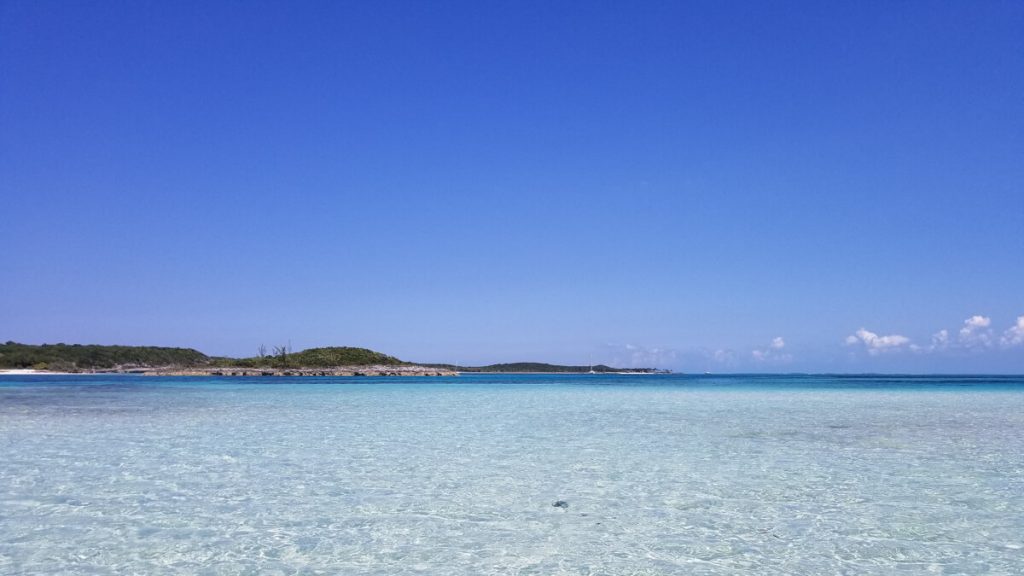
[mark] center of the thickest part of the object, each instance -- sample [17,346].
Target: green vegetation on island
[329,357]
[78,357]
[75,357]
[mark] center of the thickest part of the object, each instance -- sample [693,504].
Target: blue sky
[721,186]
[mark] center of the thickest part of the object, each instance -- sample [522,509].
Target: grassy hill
[329,357]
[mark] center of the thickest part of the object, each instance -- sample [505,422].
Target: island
[276,361]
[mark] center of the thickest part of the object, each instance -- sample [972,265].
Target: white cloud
[876,344]
[975,336]
[772,352]
[1014,336]
[635,356]
[723,356]
[940,341]
[976,333]
[977,321]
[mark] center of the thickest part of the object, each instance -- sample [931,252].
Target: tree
[282,355]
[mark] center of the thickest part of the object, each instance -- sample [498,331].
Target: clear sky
[722,186]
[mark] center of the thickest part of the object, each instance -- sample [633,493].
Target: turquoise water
[662,475]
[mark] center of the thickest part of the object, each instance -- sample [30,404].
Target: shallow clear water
[662,474]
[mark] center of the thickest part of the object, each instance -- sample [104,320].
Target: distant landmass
[279,360]
[540,367]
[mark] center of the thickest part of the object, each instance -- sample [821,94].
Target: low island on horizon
[278,361]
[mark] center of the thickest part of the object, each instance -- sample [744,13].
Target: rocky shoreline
[339,371]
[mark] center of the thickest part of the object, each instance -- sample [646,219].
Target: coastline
[33,372]
[374,370]
[567,373]
[250,372]
[339,371]
[32,359]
